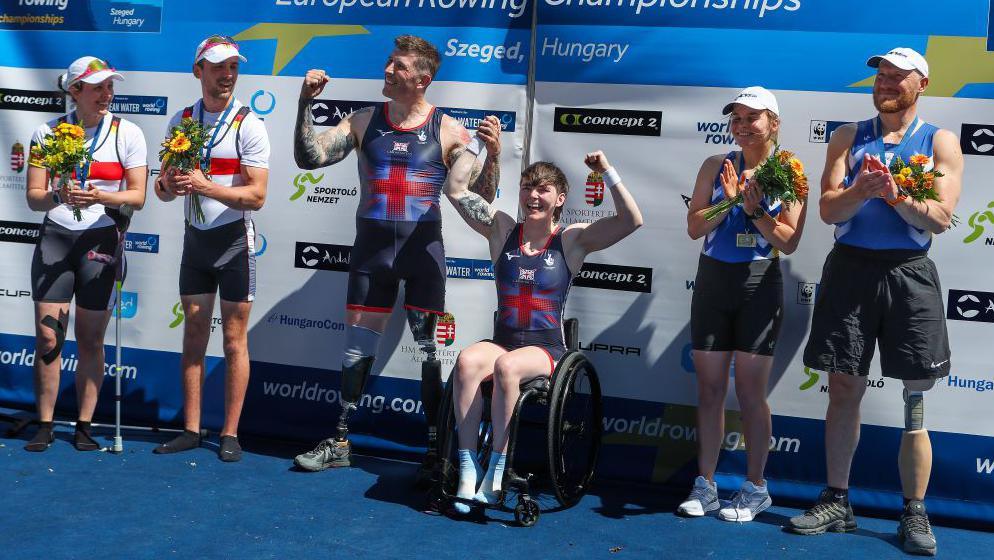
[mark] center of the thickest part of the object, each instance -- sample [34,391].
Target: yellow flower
[180,143]
[906,171]
[69,130]
[796,165]
[919,159]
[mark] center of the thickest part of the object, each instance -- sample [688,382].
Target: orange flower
[796,165]
[784,156]
[928,179]
[919,159]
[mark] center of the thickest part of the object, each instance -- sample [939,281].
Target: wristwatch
[757,214]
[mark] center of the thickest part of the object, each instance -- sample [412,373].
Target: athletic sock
[469,472]
[230,451]
[184,442]
[82,440]
[43,438]
[491,485]
[839,495]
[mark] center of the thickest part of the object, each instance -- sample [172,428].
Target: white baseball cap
[217,48]
[90,70]
[755,97]
[902,57]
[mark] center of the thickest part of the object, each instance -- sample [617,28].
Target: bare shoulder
[453,132]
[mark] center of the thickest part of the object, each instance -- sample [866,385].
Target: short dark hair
[426,57]
[546,172]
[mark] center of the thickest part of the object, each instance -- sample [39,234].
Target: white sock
[491,485]
[469,472]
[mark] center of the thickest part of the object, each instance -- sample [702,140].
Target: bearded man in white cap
[879,286]
[219,242]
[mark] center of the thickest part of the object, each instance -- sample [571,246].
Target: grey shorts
[219,260]
[869,297]
[71,263]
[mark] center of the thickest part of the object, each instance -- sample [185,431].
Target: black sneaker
[43,438]
[828,514]
[915,532]
[230,451]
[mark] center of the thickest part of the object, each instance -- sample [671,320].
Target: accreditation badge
[745,240]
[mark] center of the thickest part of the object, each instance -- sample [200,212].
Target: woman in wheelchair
[534,264]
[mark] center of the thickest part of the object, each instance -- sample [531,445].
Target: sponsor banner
[139,105]
[310,184]
[19,232]
[122,16]
[821,131]
[761,15]
[129,305]
[17,157]
[979,231]
[32,100]
[970,306]
[607,121]
[977,139]
[470,269]
[614,277]
[322,256]
[141,242]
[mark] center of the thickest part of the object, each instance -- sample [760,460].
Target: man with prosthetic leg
[404,149]
[879,287]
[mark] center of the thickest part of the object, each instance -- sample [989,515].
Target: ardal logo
[977,139]
[970,306]
[976,222]
[330,112]
[17,157]
[320,194]
[400,147]
[322,256]
[594,194]
[445,330]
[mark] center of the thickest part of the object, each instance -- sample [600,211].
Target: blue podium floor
[67,504]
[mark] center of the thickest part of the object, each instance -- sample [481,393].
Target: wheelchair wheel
[575,426]
[526,513]
[448,443]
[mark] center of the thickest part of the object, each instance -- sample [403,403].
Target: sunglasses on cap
[215,40]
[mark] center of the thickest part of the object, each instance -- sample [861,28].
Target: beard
[895,105]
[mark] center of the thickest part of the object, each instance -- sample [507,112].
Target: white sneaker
[703,498]
[747,503]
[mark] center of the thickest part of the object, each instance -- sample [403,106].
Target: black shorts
[736,306]
[384,253]
[868,297]
[220,259]
[62,267]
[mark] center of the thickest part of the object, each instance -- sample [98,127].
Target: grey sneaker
[747,503]
[330,453]
[703,498]
[826,515]
[915,532]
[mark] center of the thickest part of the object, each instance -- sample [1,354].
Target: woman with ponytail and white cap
[738,300]
[74,258]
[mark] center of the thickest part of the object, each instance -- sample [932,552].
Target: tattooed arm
[474,209]
[311,149]
[484,178]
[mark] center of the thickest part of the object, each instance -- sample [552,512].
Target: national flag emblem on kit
[526,275]
[595,189]
[17,157]
[400,147]
[445,331]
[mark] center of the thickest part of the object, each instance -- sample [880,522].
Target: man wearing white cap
[879,285]
[219,249]
[74,257]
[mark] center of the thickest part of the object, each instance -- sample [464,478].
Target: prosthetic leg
[422,326]
[915,465]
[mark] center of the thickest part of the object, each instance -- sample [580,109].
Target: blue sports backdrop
[548,70]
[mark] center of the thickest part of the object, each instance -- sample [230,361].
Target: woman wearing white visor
[74,257]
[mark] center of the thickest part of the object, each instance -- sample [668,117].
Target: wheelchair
[573,427]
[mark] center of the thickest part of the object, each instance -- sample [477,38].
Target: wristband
[475,146]
[611,177]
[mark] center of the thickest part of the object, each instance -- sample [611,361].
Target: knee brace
[60,336]
[423,325]
[914,410]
